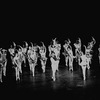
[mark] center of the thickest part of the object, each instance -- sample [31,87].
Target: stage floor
[68,84]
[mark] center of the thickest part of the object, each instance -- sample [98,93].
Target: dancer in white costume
[17,66]
[32,57]
[88,51]
[17,58]
[83,64]
[65,53]
[54,53]
[4,59]
[17,63]
[24,51]
[12,49]
[1,66]
[13,58]
[68,53]
[99,53]
[23,54]
[78,50]
[85,59]
[3,62]
[43,58]
[21,57]
[89,56]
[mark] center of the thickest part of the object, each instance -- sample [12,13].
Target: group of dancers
[19,54]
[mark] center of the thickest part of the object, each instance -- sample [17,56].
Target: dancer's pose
[88,51]
[68,53]
[43,58]
[17,58]
[24,51]
[78,50]
[17,66]
[99,53]
[54,53]
[3,62]
[32,57]
[83,64]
